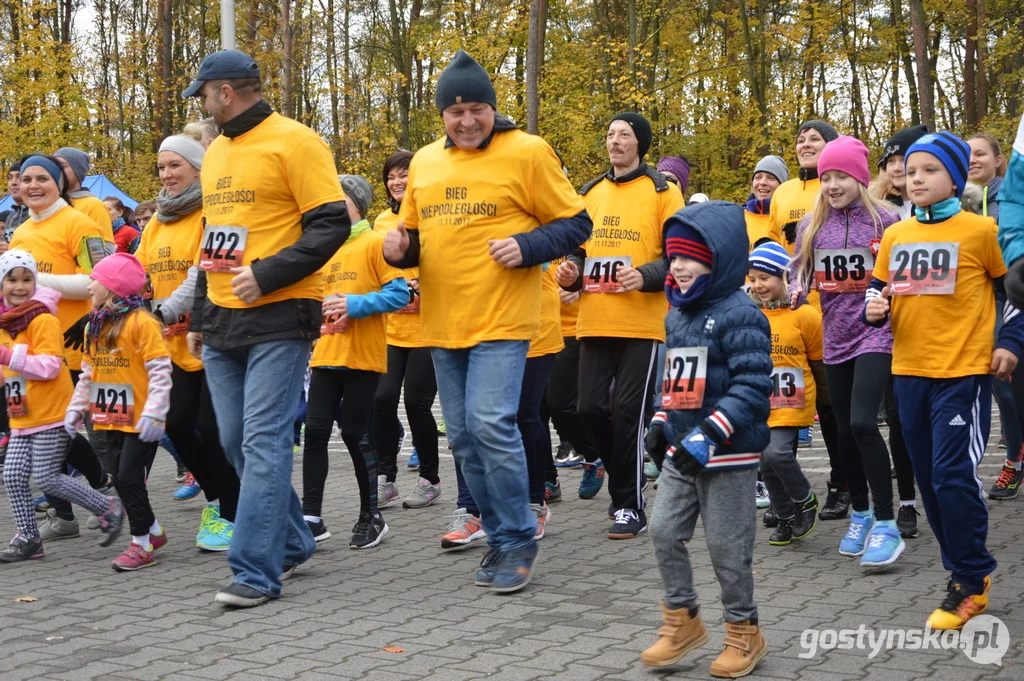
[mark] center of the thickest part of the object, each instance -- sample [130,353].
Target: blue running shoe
[804,439]
[516,566]
[414,459]
[42,505]
[189,490]
[855,541]
[885,545]
[593,479]
[552,492]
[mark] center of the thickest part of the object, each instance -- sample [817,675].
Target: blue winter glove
[150,430]
[692,452]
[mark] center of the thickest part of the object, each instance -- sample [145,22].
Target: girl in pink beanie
[835,253]
[125,386]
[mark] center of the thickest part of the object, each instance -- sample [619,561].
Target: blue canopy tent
[100,185]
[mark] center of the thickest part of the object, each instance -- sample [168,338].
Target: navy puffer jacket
[738,341]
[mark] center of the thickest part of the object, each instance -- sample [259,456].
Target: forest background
[722,81]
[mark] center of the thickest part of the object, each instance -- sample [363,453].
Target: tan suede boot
[744,648]
[679,635]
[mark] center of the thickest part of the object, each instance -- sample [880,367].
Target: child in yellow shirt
[941,269]
[37,386]
[125,386]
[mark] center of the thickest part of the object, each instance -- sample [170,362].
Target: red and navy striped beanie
[685,241]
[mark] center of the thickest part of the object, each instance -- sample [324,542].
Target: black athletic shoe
[783,534]
[906,521]
[806,517]
[368,531]
[837,504]
[240,596]
[629,524]
[21,549]
[1007,485]
[769,518]
[319,530]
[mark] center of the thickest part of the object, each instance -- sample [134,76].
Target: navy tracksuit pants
[946,423]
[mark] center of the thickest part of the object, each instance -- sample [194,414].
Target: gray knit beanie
[359,190]
[774,165]
[77,159]
[464,81]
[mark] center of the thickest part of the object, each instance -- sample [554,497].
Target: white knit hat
[187,147]
[14,259]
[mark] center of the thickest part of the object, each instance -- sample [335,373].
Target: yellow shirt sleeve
[559,199]
[671,201]
[149,337]
[312,176]
[384,272]
[407,213]
[140,252]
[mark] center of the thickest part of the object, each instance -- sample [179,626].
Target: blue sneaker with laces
[189,490]
[855,541]
[414,459]
[885,545]
[515,568]
[593,479]
[804,438]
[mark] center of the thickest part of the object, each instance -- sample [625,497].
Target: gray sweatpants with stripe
[724,499]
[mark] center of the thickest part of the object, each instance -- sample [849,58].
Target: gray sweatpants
[725,501]
[782,474]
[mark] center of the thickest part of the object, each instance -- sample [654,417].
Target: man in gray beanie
[774,165]
[493,205]
[359,191]
[75,164]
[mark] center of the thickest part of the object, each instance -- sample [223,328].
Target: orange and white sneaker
[464,529]
[959,607]
[543,515]
[135,557]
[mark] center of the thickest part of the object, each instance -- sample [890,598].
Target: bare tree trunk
[970,83]
[925,87]
[982,69]
[287,95]
[332,78]
[534,63]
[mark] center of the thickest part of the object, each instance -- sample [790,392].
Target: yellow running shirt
[67,242]
[167,251]
[459,201]
[120,382]
[791,201]
[357,268]
[255,189]
[628,219]
[97,210]
[796,339]
[30,403]
[759,226]
[948,335]
[404,329]
[569,313]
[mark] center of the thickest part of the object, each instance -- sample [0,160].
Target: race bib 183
[14,389]
[223,248]
[923,268]
[112,404]
[787,388]
[686,371]
[600,275]
[843,270]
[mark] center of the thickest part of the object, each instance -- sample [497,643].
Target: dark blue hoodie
[737,336]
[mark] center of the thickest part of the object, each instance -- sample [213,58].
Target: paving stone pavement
[589,612]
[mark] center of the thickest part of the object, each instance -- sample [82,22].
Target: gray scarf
[174,208]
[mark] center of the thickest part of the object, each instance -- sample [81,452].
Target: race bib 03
[14,390]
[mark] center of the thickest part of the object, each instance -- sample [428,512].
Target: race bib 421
[112,404]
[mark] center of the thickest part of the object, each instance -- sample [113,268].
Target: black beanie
[898,144]
[464,81]
[15,167]
[641,128]
[827,132]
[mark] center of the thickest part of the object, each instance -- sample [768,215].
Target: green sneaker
[211,514]
[441,430]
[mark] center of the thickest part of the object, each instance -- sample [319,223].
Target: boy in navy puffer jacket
[714,415]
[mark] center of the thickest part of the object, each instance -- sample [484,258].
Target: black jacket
[324,229]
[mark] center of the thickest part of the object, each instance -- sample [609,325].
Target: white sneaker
[762,496]
[386,491]
[423,495]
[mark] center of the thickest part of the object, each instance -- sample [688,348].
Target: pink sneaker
[134,558]
[158,540]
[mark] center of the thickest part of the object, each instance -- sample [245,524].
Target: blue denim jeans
[254,390]
[479,389]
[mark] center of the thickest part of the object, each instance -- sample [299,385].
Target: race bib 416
[600,275]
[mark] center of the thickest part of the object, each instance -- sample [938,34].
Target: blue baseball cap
[222,66]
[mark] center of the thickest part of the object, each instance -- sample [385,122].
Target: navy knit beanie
[952,152]
[464,81]
[898,144]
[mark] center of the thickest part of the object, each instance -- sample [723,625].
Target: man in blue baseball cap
[275,213]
